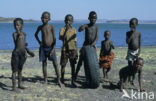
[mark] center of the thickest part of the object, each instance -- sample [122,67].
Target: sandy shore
[37,91]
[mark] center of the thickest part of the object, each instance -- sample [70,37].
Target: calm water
[118,34]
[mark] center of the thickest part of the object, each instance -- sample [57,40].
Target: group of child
[69,49]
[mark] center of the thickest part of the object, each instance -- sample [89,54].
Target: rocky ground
[38,91]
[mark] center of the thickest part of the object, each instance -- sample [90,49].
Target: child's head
[92,17]
[133,23]
[68,19]
[45,17]
[18,24]
[107,34]
[139,63]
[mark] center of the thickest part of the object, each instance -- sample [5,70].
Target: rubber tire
[91,66]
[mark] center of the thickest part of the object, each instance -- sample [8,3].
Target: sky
[106,9]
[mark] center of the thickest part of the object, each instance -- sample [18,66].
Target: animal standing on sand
[125,72]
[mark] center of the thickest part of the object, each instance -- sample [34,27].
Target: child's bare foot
[60,84]
[132,83]
[22,87]
[73,84]
[62,80]
[142,90]
[15,90]
[45,81]
[106,80]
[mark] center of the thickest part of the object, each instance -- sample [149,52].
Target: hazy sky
[106,9]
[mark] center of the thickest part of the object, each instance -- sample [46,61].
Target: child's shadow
[39,79]
[81,80]
[111,86]
[4,86]
[33,79]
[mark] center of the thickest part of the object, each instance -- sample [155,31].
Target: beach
[38,91]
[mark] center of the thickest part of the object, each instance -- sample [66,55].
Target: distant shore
[118,21]
[58,49]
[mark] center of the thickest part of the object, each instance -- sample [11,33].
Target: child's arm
[82,27]
[111,43]
[54,40]
[96,37]
[128,38]
[36,35]
[101,49]
[61,34]
[26,44]
[139,43]
[14,35]
[139,79]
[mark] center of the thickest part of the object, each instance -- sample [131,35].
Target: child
[106,56]
[47,45]
[125,72]
[69,48]
[91,36]
[19,53]
[133,39]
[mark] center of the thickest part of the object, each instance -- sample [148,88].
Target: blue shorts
[44,53]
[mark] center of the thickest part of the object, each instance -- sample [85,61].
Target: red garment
[106,60]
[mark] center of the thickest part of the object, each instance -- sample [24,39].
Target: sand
[38,91]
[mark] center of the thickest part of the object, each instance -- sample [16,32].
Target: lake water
[118,34]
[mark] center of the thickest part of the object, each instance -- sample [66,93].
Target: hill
[10,20]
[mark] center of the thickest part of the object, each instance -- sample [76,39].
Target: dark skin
[133,39]
[106,47]
[48,40]
[68,21]
[91,31]
[19,38]
[125,73]
[91,36]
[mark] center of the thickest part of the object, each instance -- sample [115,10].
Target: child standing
[47,45]
[133,39]
[91,36]
[69,48]
[106,55]
[19,53]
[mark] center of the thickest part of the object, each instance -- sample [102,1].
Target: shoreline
[58,49]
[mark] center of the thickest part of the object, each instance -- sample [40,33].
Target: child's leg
[44,69]
[104,73]
[62,73]
[13,81]
[57,73]
[130,65]
[122,84]
[79,65]
[108,69]
[133,77]
[72,64]
[14,66]
[20,80]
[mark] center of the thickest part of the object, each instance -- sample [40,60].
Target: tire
[91,66]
